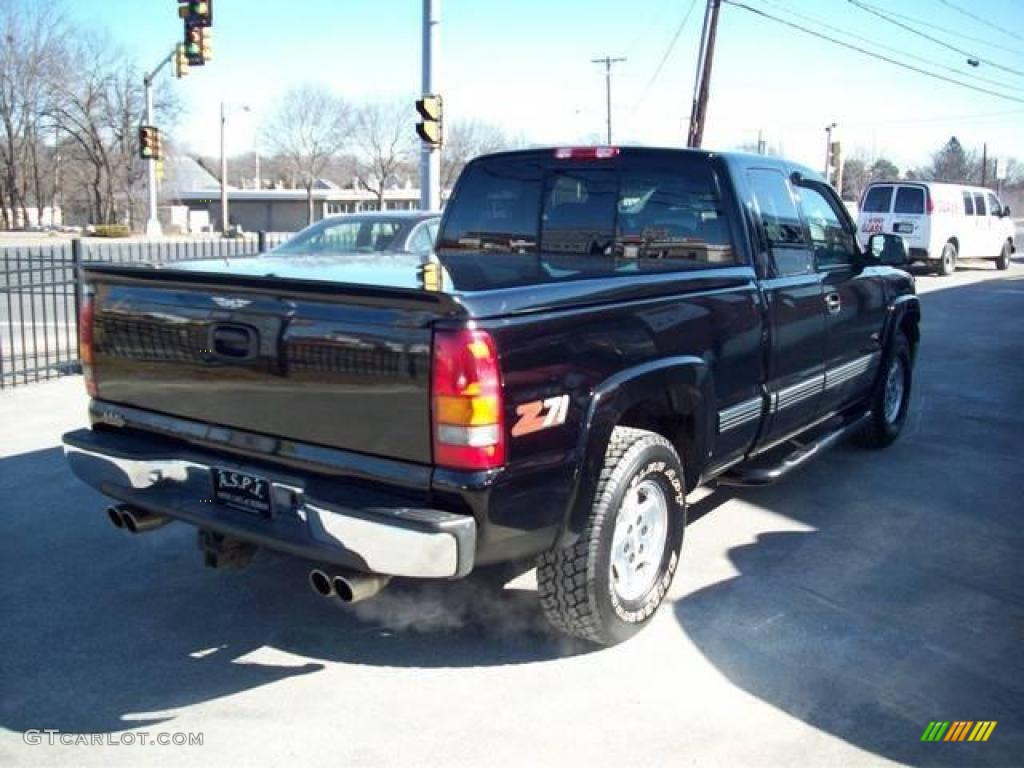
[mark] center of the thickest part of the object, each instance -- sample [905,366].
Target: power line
[906,55]
[956,33]
[979,19]
[872,54]
[885,17]
[668,53]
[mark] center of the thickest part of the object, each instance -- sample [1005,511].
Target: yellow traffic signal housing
[180,61]
[431,129]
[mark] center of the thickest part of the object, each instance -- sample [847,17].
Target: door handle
[834,303]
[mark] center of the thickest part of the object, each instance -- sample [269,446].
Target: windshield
[349,235]
[523,219]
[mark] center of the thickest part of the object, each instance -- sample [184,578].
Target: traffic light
[150,145]
[160,169]
[180,61]
[431,129]
[198,18]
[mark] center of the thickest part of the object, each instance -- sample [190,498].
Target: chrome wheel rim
[894,386]
[638,543]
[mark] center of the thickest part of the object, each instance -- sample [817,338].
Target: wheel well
[678,428]
[909,326]
[955,242]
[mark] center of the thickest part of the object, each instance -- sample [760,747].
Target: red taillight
[586,153]
[85,353]
[929,203]
[468,422]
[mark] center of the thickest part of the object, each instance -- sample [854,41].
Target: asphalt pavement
[823,621]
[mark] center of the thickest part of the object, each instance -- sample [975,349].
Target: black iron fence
[39,289]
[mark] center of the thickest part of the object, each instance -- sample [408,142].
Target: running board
[766,475]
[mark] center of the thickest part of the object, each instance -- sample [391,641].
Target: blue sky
[525,65]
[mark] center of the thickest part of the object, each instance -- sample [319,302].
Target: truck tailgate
[340,366]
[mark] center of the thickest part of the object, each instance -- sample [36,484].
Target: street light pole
[223,175]
[153,228]
[608,61]
[828,148]
[430,155]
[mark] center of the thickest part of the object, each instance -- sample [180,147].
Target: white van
[940,223]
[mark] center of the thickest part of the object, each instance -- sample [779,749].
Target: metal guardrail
[39,289]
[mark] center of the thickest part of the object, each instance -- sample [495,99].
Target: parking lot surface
[823,621]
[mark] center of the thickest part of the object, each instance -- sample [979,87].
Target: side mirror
[890,250]
[1006,212]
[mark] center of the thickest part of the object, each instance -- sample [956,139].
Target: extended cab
[599,331]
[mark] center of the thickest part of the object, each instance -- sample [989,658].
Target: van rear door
[875,212]
[910,215]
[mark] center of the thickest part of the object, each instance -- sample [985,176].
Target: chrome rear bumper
[311,519]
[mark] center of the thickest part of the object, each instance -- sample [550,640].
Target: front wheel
[1003,261]
[607,586]
[890,401]
[947,262]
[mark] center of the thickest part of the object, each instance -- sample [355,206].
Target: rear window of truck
[878,200]
[909,200]
[519,220]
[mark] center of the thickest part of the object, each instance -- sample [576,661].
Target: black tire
[575,583]
[1003,260]
[884,425]
[947,262]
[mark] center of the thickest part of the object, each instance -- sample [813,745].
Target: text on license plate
[241,490]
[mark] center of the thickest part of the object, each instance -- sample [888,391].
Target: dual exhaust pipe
[135,520]
[347,586]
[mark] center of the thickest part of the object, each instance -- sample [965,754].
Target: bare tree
[383,142]
[464,141]
[307,129]
[31,46]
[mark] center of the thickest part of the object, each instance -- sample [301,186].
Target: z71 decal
[540,414]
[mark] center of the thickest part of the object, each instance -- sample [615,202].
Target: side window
[968,204]
[420,242]
[877,200]
[781,222]
[979,204]
[833,244]
[995,208]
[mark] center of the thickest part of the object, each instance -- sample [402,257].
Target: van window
[530,218]
[909,200]
[878,199]
[968,204]
[979,204]
[781,222]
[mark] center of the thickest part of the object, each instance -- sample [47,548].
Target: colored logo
[958,730]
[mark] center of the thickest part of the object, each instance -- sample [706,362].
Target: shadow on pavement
[104,631]
[903,601]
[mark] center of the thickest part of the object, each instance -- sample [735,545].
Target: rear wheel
[607,586]
[1003,261]
[890,401]
[947,262]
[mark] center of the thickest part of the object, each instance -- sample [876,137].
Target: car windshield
[350,234]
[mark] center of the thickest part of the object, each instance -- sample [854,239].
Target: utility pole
[828,148]
[608,61]
[984,163]
[430,155]
[702,87]
[153,222]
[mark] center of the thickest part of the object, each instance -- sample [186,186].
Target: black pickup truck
[599,331]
